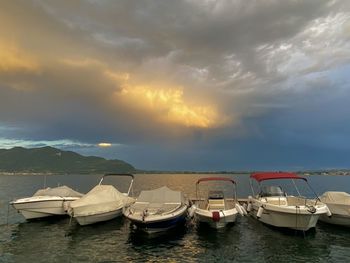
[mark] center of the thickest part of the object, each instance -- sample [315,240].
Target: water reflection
[97,242]
[38,240]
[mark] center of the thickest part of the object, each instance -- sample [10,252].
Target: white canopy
[337,202]
[101,199]
[62,191]
[336,197]
[161,195]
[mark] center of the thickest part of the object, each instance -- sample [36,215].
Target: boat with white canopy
[46,202]
[275,207]
[339,205]
[216,210]
[102,203]
[158,210]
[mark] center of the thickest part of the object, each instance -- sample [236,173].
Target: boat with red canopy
[273,206]
[217,210]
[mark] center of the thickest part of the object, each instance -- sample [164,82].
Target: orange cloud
[85,62]
[13,59]
[170,106]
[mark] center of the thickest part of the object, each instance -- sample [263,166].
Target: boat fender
[216,216]
[260,211]
[239,209]
[329,214]
[249,207]
[191,211]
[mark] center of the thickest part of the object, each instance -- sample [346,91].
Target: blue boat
[158,210]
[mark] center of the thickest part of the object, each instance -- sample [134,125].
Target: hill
[52,160]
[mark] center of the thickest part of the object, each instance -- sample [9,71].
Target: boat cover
[158,201]
[337,202]
[101,199]
[336,197]
[161,195]
[63,191]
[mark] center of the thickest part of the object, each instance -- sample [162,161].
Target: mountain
[52,160]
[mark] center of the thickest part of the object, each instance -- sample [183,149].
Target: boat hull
[158,223]
[225,217]
[340,214]
[100,217]
[341,220]
[292,217]
[40,208]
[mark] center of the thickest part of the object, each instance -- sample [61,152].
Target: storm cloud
[179,84]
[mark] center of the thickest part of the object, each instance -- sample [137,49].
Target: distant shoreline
[308,173]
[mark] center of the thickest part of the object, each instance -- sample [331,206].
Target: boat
[102,203]
[275,207]
[216,210]
[339,205]
[46,202]
[158,210]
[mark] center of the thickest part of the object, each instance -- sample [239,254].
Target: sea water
[62,240]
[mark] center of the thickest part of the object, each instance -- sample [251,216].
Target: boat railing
[301,201]
[275,200]
[120,174]
[213,179]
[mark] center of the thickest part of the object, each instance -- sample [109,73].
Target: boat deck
[241,201]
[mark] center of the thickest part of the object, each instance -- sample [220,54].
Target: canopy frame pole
[130,189]
[251,186]
[296,188]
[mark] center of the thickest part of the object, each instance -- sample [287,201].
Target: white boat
[339,205]
[158,210]
[46,202]
[216,210]
[274,207]
[102,203]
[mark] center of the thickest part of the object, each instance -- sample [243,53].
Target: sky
[179,85]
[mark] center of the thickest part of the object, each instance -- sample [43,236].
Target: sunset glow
[14,59]
[171,107]
[104,144]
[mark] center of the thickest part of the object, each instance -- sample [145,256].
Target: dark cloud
[239,70]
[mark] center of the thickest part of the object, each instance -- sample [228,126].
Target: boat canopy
[337,202]
[275,175]
[161,195]
[336,197]
[100,199]
[215,179]
[62,191]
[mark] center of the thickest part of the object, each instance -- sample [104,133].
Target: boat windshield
[216,195]
[271,191]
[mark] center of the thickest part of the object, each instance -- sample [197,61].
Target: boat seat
[216,204]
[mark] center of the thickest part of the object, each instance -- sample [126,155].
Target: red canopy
[215,179]
[275,175]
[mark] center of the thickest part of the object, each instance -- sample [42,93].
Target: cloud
[196,74]
[10,143]
[12,59]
